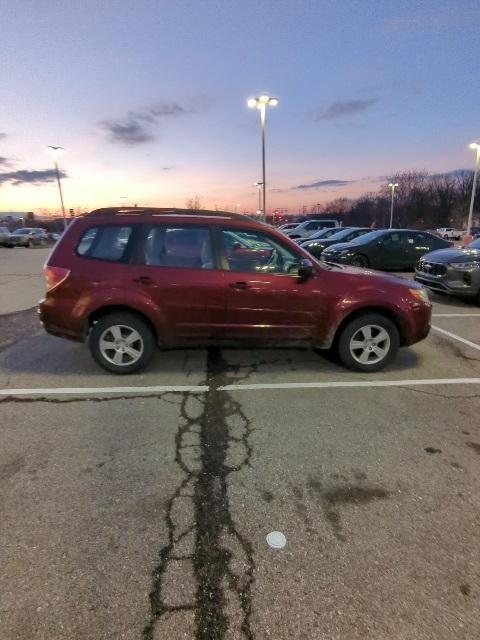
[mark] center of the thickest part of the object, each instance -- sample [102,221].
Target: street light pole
[261,104]
[474,146]
[260,191]
[55,152]
[392,186]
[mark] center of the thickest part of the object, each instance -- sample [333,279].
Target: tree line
[422,201]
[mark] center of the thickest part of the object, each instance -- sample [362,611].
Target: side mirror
[305,269]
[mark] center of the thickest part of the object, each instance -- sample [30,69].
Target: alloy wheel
[370,344]
[121,345]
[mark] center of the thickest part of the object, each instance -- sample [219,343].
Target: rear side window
[186,247]
[105,243]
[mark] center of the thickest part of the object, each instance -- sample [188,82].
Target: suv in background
[28,237]
[126,280]
[453,271]
[309,227]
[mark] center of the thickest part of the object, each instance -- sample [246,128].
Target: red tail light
[55,276]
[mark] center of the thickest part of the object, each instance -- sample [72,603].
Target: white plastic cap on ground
[276,540]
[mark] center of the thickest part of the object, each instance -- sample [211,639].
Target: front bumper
[453,282]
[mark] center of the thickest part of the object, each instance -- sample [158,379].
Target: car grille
[431,268]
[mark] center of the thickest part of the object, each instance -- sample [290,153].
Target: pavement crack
[439,394]
[47,399]
[201,530]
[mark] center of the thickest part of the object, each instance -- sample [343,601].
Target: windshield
[344,233]
[22,232]
[368,237]
[323,233]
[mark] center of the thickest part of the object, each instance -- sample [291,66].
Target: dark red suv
[126,280]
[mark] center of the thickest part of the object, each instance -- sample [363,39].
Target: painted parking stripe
[349,384]
[95,391]
[454,336]
[456,315]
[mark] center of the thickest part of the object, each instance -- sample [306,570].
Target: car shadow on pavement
[43,355]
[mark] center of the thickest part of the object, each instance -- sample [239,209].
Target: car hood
[339,246]
[373,278]
[452,255]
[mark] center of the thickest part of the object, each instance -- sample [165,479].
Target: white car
[309,227]
[288,226]
[449,233]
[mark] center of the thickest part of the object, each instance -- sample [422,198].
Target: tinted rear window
[105,243]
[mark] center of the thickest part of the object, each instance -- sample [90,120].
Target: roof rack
[107,212]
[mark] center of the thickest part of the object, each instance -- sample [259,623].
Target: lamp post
[392,186]
[475,146]
[261,103]
[259,185]
[55,152]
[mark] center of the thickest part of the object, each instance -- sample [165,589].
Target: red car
[127,280]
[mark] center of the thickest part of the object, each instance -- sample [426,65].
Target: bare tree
[194,204]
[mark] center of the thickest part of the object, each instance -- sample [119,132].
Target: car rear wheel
[122,342]
[360,261]
[368,343]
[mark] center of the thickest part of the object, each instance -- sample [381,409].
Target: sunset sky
[149,98]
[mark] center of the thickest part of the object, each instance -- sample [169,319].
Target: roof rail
[107,212]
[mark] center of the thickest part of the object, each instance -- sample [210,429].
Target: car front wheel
[368,343]
[122,342]
[360,261]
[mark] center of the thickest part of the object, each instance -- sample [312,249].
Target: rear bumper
[56,318]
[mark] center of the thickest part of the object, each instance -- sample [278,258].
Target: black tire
[353,328]
[128,321]
[29,245]
[360,261]
[477,299]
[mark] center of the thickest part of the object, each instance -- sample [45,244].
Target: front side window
[186,247]
[257,252]
[394,239]
[107,242]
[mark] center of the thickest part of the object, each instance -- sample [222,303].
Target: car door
[177,273]
[390,251]
[265,298]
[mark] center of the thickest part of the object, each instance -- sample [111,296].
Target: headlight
[420,294]
[344,252]
[465,266]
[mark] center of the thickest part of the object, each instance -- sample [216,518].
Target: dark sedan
[385,249]
[454,271]
[315,246]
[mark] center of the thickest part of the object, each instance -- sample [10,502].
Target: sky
[148,98]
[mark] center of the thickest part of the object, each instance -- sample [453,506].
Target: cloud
[136,127]
[4,161]
[343,108]
[321,184]
[26,176]
[455,173]
[2,135]
[168,168]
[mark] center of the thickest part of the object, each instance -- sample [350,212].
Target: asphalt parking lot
[138,506]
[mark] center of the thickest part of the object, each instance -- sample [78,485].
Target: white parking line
[456,315]
[348,384]
[82,391]
[146,391]
[469,343]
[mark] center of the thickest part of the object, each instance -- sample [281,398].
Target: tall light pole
[392,186]
[261,103]
[259,185]
[476,147]
[55,152]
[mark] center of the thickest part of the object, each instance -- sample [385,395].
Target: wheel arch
[362,311]
[100,312]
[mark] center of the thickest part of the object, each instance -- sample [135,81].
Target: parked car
[449,233]
[323,233]
[453,271]
[307,228]
[385,249]
[175,282]
[5,237]
[315,246]
[27,237]
[288,226]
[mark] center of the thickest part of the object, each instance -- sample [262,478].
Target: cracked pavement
[145,517]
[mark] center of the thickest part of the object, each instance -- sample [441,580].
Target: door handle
[144,280]
[239,285]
